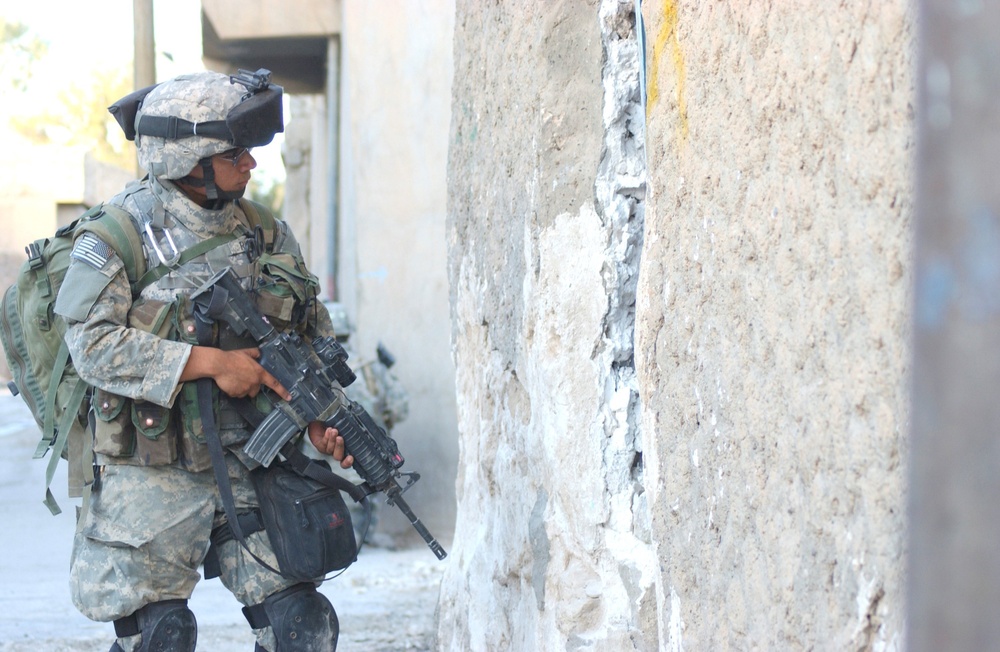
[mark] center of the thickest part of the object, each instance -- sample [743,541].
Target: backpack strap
[114,225]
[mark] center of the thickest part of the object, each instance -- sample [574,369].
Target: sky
[87,36]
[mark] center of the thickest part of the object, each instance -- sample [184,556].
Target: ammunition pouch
[286,290]
[146,434]
[143,433]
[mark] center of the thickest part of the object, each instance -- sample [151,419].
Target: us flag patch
[92,250]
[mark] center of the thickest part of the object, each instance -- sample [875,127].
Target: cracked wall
[681,389]
[546,185]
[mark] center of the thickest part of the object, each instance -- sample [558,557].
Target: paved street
[385,601]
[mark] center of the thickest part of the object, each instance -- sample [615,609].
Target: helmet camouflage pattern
[198,97]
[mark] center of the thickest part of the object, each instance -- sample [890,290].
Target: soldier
[382,395]
[149,521]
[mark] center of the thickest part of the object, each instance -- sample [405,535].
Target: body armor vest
[139,432]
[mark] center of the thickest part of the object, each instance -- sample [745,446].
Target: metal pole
[144,45]
[954,504]
[333,159]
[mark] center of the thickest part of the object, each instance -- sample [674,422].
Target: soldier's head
[198,129]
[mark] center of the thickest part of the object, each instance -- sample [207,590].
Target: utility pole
[954,503]
[144,45]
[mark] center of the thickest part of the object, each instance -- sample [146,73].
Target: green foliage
[19,50]
[80,117]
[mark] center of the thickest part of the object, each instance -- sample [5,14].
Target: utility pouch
[285,291]
[307,523]
[113,431]
[154,425]
[156,440]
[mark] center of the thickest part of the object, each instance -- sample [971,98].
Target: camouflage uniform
[147,527]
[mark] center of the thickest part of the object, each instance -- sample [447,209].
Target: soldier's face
[231,173]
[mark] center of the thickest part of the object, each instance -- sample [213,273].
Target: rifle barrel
[432,543]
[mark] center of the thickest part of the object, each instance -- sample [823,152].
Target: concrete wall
[731,476]
[772,345]
[396,71]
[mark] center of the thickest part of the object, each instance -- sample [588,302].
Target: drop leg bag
[305,517]
[306,521]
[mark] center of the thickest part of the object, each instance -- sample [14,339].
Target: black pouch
[307,523]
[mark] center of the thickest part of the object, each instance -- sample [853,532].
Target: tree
[80,117]
[19,50]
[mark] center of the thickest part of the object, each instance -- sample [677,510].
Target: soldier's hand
[237,373]
[329,442]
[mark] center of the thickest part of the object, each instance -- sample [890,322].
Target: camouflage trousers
[147,531]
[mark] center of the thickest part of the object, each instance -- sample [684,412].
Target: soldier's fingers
[336,444]
[272,382]
[347,462]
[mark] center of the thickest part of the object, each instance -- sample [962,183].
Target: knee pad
[303,620]
[166,625]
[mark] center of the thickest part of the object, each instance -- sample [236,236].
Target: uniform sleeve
[95,299]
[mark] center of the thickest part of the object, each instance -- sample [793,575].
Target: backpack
[32,334]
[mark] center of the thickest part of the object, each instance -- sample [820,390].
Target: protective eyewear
[234,155]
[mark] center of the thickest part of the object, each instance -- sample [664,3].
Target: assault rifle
[314,374]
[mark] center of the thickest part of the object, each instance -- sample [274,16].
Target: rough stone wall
[546,182]
[682,416]
[773,320]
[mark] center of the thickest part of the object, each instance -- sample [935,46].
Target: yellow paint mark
[667,36]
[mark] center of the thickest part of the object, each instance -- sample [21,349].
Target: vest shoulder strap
[260,215]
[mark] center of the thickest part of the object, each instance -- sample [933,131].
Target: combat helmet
[183,122]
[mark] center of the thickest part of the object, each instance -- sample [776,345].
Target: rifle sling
[153,275]
[206,406]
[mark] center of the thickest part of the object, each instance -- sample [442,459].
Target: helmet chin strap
[217,197]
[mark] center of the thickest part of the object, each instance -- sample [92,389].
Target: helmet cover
[191,117]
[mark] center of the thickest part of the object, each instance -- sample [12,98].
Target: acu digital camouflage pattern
[138,349]
[147,528]
[377,389]
[389,403]
[145,535]
[198,97]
